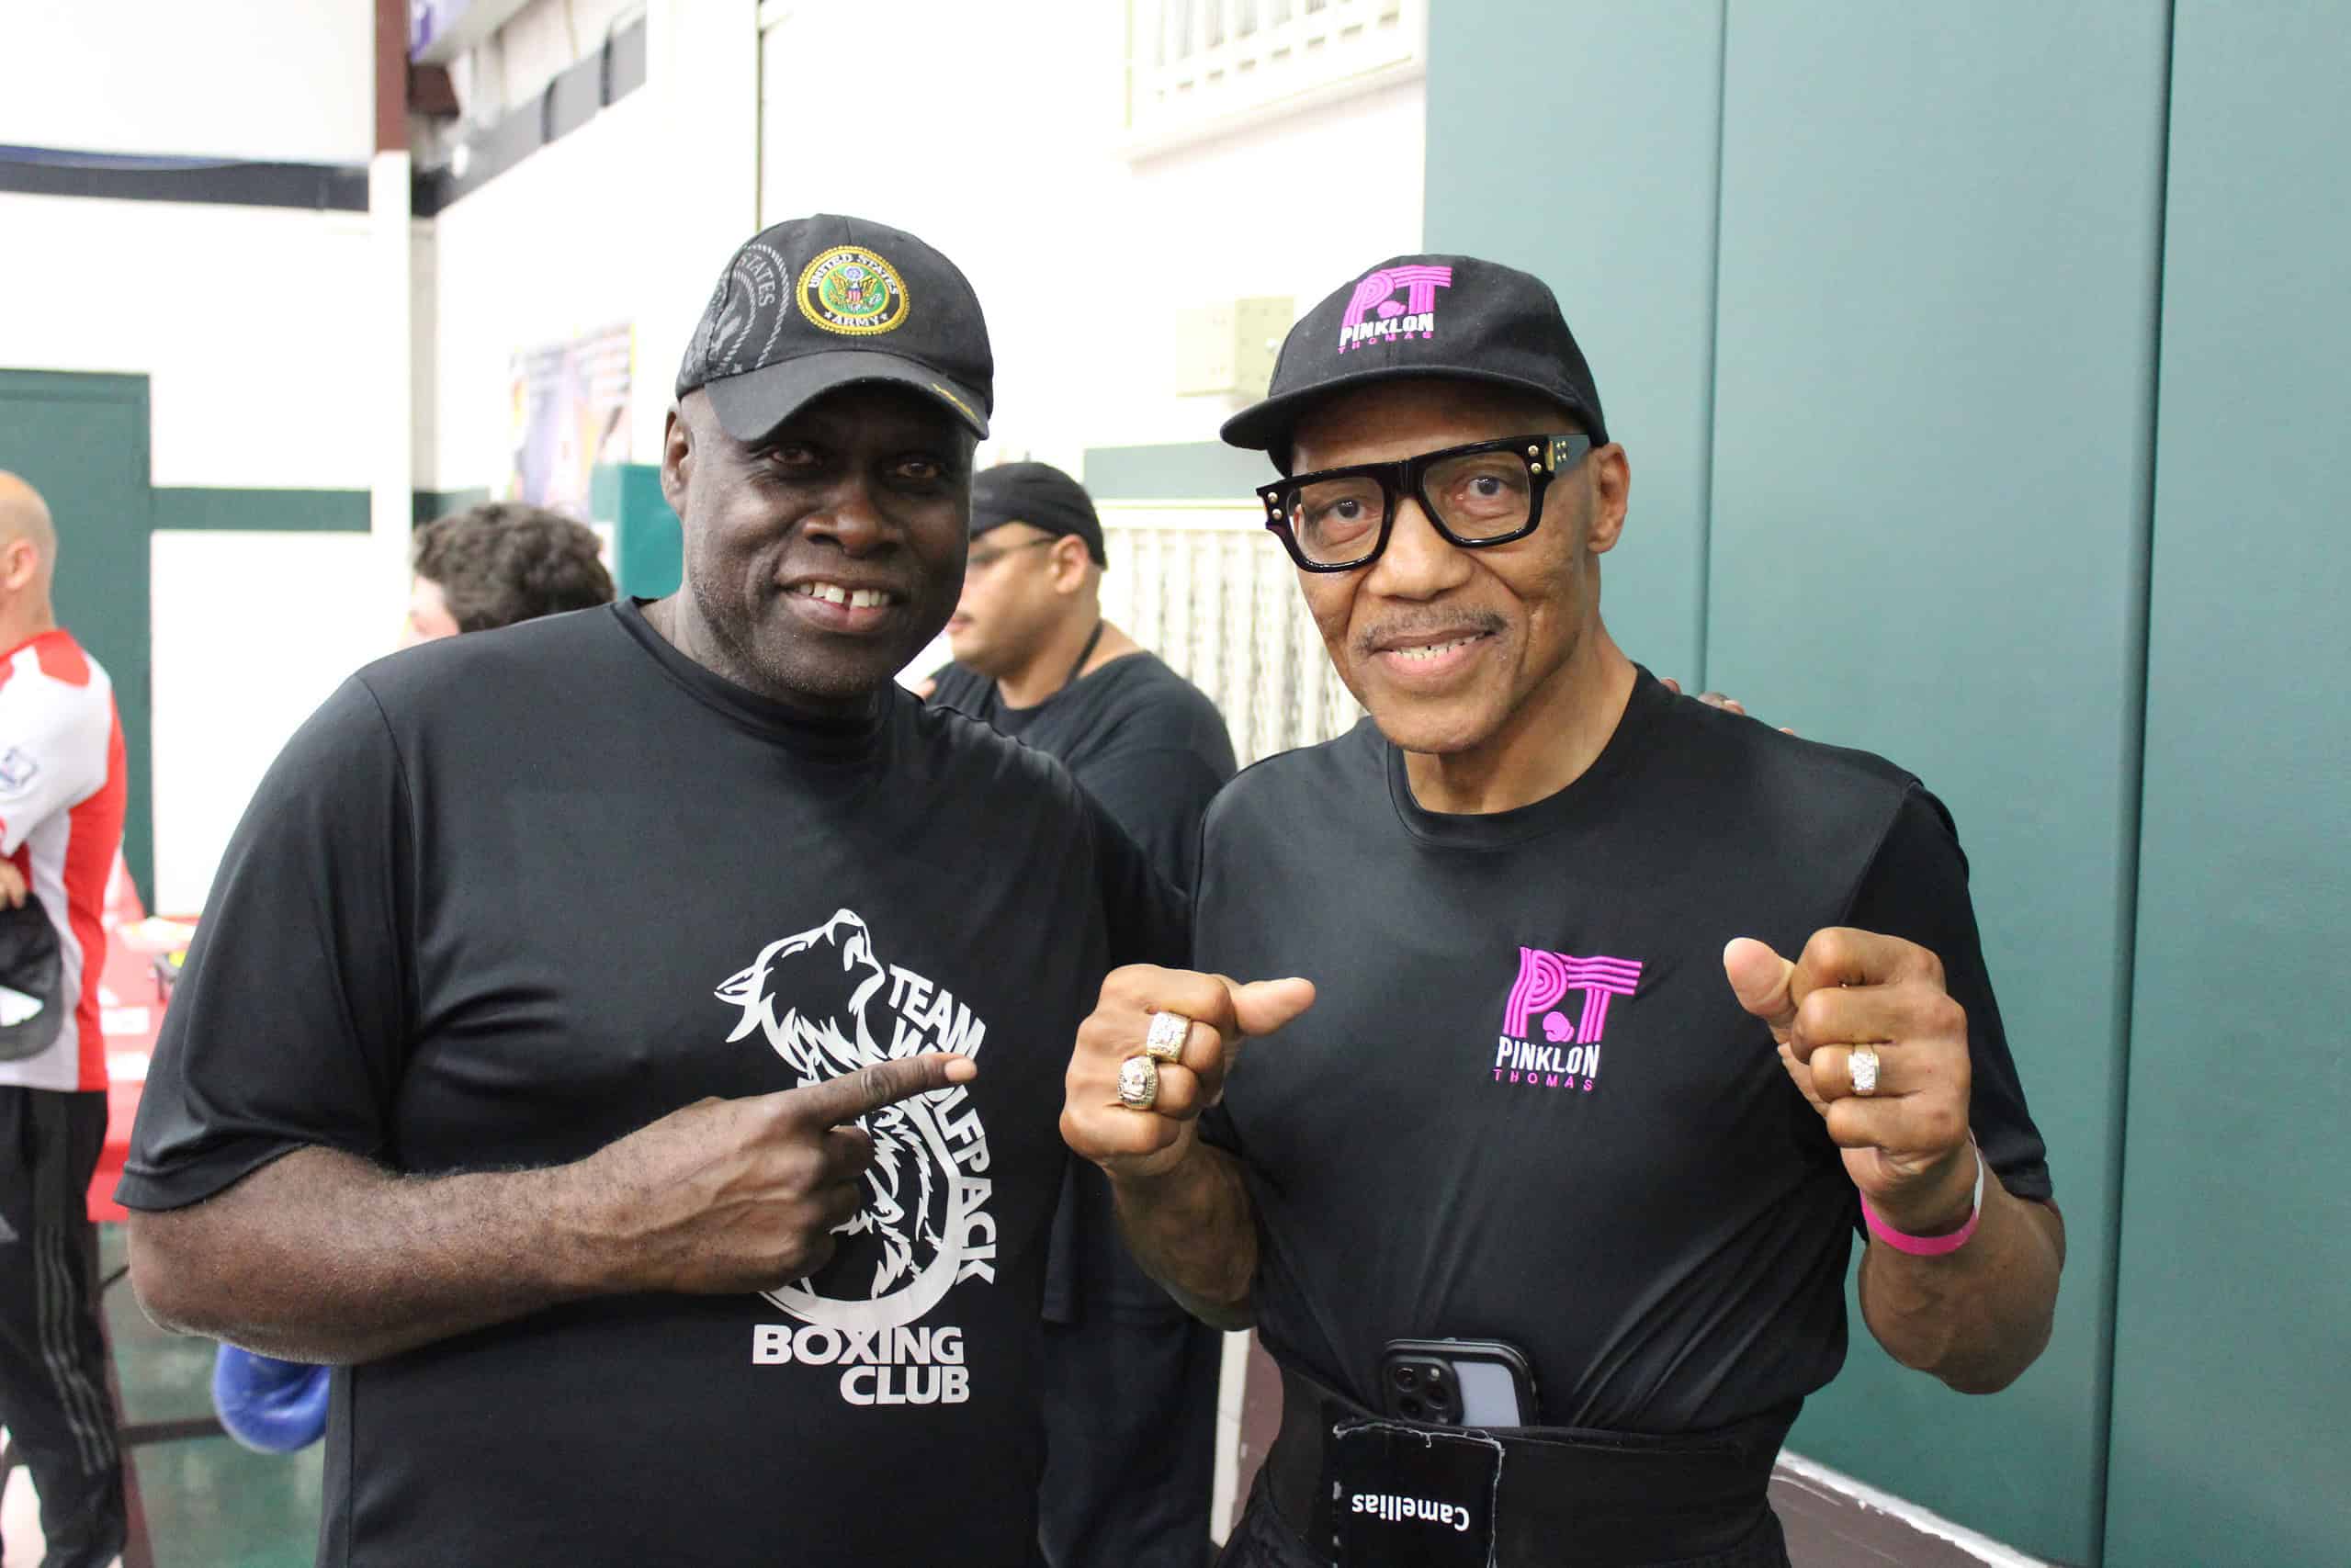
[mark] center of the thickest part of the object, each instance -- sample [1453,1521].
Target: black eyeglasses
[1489,492]
[980,560]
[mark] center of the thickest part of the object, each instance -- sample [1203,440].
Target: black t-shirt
[1142,739]
[508,898]
[1525,1105]
[1153,750]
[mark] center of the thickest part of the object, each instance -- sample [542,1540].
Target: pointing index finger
[843,1099]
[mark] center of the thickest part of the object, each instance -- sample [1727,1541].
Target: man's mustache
[1442,627]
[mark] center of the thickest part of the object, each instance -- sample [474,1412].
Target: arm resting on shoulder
[1194,1229]
[1978,1317]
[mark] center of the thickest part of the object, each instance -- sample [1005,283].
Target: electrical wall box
[1230,347]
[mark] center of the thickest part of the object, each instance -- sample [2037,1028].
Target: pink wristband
[1932,1245]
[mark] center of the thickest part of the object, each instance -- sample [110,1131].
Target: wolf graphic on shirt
[827,1004]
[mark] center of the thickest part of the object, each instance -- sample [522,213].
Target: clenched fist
[1127,1142]
[1904,1138]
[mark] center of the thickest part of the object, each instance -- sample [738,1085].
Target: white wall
[1014,167]
[559,245]
[235,312]
[236,315]
[1082,258]
[290,79]
[251,632]
[627,220]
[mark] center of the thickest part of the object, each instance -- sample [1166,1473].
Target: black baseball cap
[824,302]
[1039,495]
[1427,315]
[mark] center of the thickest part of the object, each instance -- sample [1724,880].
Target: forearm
[1192,1229]
[1978,1317]
[322,1257]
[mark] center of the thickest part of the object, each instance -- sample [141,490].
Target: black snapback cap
[1427,315]
[823,302]
[1041,496]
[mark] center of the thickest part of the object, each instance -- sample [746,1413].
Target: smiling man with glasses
[1543,1085]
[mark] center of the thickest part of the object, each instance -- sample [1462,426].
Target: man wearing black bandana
[1543,1075]
[622,1044]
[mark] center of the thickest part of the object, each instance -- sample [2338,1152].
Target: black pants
[1130,1436]
[54,1397]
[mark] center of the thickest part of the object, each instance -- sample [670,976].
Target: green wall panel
[1184,470]
[424,505]
[1933,428]
[2232,1342]
[263,510]
[81,440]
[1579,140]
[647,541]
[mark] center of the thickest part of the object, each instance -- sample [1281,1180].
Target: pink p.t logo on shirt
[1374,298]
[1559,1051]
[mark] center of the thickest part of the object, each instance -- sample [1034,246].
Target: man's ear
[1070,562]
[677,460]
[1612,482]
[19,563]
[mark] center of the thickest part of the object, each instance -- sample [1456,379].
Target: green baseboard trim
[432,503]
[1183,471]
[234,509]
[262,511]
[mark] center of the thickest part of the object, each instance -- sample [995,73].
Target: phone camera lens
[1411,1407]
[1407,1377]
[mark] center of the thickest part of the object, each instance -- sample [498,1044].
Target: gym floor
[198,1500]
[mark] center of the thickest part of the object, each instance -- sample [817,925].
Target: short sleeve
[52,754]
[289,1022]
[1916,889]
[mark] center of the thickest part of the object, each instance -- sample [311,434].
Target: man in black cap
[1524,1095]
[1036,658]
[1128,1478]
[621,1042]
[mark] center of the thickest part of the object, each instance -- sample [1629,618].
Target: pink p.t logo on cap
[1375,297]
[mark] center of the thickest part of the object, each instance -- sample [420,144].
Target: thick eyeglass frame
[1546,458]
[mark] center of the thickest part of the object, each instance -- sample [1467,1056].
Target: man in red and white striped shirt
[61,787]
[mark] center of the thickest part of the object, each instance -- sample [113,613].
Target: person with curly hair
[498,563]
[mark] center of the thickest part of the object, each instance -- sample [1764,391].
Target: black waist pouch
[1375,1492]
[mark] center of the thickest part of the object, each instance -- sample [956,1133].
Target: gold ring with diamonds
[1165,1041]
[1138,1083]
[1863,1064]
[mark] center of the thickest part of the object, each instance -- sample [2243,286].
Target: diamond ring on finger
[1138,1083]
[1167,1032]
[1863,1064]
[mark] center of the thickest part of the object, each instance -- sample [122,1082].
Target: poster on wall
[570,412]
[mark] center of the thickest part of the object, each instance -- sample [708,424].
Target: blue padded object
[269,1405]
